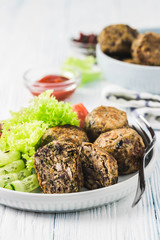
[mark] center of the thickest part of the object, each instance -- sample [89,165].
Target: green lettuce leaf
[22,132]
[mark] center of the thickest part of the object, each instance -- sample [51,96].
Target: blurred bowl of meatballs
[129,57]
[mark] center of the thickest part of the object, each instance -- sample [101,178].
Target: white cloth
[145,104]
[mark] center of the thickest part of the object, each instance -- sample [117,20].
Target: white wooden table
[38,32]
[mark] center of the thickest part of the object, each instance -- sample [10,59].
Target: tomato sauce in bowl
[53,79]
[63,85]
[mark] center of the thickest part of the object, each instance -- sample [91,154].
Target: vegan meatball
[125,145]
[99,167]
[129,60]
[58,167]
[103,119]
[146,49]
[66,133]
[117,39]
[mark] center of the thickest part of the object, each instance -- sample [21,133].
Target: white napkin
[145,104]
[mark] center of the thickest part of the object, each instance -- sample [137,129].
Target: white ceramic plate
[40,202]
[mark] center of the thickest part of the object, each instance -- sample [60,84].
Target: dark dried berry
[58,147]
[51,182]
[120,143]
[84,38]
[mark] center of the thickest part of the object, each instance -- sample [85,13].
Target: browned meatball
[66,133]
[129,60]
[126,145]
[99,167]
[146,49]
[58,167]
[103,119]
[117,39]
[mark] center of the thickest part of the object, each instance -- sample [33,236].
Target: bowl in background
[85,43]
[87,49]
[136,77]
[61,90]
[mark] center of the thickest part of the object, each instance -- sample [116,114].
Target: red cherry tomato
[81,112]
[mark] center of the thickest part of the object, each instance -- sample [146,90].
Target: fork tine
[141,180]
[141,132]
[149,144]
[151,131]
[148,126]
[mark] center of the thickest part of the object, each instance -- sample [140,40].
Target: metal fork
[149,144]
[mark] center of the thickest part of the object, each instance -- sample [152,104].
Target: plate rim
[27,195]
[64,202]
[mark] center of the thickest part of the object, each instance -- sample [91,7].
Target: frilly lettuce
[23,131]
[44,108]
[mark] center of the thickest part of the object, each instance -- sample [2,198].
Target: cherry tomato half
[81,112]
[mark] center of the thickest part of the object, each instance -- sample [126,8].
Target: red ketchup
[56,83]
[53,79]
